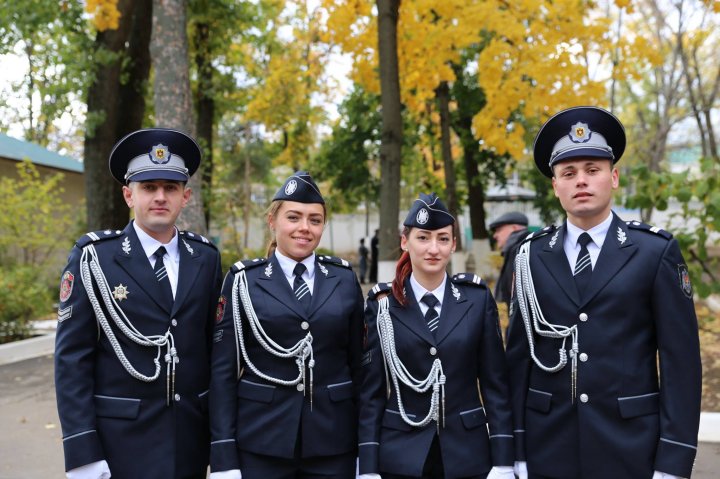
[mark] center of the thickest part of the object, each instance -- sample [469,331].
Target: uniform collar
[419,291]
[288,265]
[597,232]
[150,244]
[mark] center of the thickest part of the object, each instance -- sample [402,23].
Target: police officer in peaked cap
[135,319]
[508,230]
[286,364]
[433,344]
[596,301]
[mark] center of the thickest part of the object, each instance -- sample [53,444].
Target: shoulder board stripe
[93,236]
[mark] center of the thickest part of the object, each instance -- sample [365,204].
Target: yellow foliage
[105,14]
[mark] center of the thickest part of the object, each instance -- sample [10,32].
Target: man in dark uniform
[597,300]
[508,231]
[135,321]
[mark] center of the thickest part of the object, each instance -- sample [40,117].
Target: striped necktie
[583,265]
[161,273]
[431,315]
[300,287]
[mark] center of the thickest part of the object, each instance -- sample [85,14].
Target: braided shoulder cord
[301,351]
[89,270]
[531,313]
[400,374]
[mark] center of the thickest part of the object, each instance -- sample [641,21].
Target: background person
[362,260]
[508,231]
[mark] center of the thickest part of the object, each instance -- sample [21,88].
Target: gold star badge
[120,292]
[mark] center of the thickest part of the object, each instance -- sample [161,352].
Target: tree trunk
[442,94]
[476,189]
[105,205]
[206,111]
[391,139]
[173,106]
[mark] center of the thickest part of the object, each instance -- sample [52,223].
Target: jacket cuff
[502,447]
[519,445]
[224,455]
[82,448]
[675,457]
[368,453]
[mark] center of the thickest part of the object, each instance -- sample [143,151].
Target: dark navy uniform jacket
[259,416]
[469,344]
[105,412]
[631,415]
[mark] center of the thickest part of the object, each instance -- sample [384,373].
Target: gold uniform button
[304,325]
[433,351]
[583,317]
[300,387]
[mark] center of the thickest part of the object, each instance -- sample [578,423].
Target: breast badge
[120,292]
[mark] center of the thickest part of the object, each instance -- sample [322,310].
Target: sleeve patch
[220,309]
[64,313]
[66,286]
[218,335]
[684,277]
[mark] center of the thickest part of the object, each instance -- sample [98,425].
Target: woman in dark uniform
[287,353]
[435,339]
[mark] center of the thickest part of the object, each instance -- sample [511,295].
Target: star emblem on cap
[580,133]
[160,154]
[120,292]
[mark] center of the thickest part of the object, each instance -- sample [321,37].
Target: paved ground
[30,442]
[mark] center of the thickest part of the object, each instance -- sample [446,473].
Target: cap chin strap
[535,322]
[399,373]
[302,351]
[89,270]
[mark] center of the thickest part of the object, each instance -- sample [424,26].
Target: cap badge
[580,133]
[290,187]
[159,154]
[423,216]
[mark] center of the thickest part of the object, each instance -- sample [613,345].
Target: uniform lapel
[324,284]
[273,281]
[554,258]
[190,266]
[617,250]
[411,316]
[130,255]
[453,310]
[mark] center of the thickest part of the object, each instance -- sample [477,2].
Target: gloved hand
[94,470]
[231,474]
[372,475]
[520,469]
[662,475]
[501,472]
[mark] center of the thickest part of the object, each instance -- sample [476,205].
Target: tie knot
[430,300]
[584,239]
[160,252]
[299,269]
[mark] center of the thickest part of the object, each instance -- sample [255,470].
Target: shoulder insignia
[379,289]
[334,260]
[539,234]
[96,236]
[197,237]
[247,264]
[637,225]
[468,278]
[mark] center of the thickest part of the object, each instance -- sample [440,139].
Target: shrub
[23,297]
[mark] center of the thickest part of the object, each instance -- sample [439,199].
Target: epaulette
[95,236]
[539,233]
[197,237]
[469,278]
[379,289]
[334,260]
[637,225]
[247,264]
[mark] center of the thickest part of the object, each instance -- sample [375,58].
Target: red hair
[402,271]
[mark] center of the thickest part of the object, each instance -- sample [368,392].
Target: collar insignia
[189,248]
[120,292]
[621,236]
[126,245]
[554,238]
[323,269]
[455,292]
[268,270]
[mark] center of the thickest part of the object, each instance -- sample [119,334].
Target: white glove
[662,475]
[371,475]
[501,472]
[231,474]
[520,469]
[94,470]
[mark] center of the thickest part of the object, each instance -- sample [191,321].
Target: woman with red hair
[432,340]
